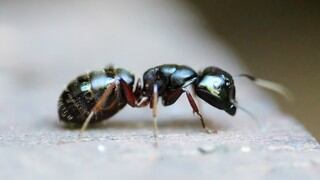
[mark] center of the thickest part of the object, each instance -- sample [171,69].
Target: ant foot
[211,131]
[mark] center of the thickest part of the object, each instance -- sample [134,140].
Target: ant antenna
[236,104]
[278,88]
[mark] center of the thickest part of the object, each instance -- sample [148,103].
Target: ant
[99,95]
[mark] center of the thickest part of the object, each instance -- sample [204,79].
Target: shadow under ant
[186,124]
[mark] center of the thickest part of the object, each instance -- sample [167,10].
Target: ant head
[153,77]
[216,87]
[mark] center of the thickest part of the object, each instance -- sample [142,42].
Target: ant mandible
[98,95]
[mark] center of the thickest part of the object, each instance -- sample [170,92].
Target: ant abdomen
[83,93]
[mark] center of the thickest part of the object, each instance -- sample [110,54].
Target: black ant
[98,95]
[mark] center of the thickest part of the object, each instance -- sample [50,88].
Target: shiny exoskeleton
[213,85]
[99,95]
[216,87]
[82,94]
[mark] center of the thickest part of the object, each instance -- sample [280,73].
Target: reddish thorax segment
[128,93]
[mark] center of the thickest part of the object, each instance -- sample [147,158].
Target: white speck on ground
[245,149]
[101,148]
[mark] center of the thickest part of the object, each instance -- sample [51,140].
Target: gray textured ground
[123,149]
[51,45]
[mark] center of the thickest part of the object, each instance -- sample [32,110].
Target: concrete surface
[49,46]
[123,150]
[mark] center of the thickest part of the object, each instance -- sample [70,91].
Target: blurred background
[276,40]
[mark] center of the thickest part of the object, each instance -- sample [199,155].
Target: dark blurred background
[278,40]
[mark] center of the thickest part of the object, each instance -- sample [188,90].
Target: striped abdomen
[80,96]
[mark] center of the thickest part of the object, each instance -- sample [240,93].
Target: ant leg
[140,100]
[193,94]
[155,113]
[196,110]
[98,106]
[131,96]
[117,92]
[138,89]
[144,101]
[131,99]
